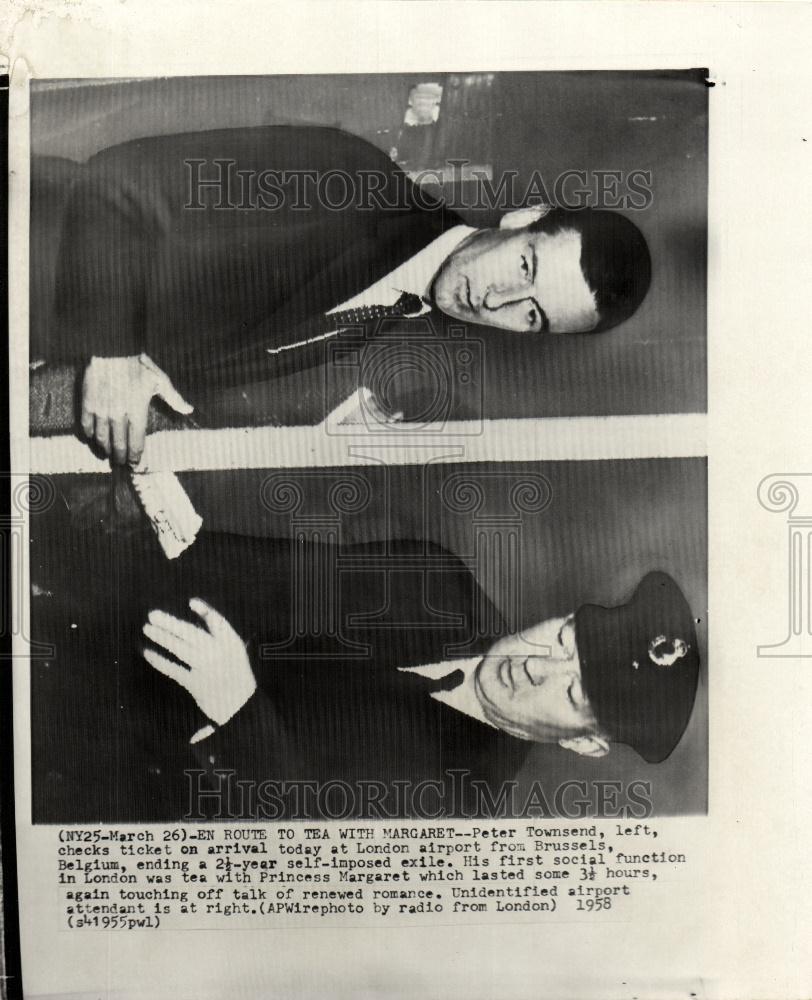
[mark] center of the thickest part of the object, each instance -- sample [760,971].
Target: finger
[213,619]
[102,434]
[118,434]
[170,395]
[177,627]
[88,422]
[88,418]
[137,437]
[179,648]
[166,667]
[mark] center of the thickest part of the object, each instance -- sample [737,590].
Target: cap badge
[661,655]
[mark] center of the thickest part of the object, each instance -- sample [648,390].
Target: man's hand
[116,394]
[217,673]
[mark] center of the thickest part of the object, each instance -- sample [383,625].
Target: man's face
[518,280]
[530,684]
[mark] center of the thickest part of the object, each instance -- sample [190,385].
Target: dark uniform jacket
[326,630]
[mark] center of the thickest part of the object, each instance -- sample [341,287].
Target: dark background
[550,122]
[581,532]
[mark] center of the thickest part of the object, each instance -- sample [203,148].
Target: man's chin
[443,301]
[504,723]
[453,313]
[444,295]
[491,708]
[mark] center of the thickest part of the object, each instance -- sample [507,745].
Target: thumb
[170,395]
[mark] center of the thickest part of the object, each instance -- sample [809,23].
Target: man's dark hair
[615,259]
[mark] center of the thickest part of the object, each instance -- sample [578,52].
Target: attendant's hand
[116,393]
[217,672]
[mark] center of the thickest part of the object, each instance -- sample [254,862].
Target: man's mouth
[464,295]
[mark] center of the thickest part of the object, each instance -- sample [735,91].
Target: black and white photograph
[367,415]
[459,640]
[410,513]
[464,247]
[410,516]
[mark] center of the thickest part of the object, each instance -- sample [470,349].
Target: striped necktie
[328,324]
[257,363]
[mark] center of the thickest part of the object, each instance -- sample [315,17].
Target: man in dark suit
[382,663]
[406,687]
[111,737]
[218,258]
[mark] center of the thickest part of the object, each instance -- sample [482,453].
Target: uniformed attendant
[625,674]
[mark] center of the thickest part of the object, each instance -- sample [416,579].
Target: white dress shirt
[415,276]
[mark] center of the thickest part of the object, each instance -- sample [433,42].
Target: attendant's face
[515,279]
[530,684]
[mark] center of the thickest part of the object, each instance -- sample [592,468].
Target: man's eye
[525,266]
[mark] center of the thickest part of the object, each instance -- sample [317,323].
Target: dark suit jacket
[331,703]
[204,290]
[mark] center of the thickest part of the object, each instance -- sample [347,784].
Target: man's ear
[523,217]
[587,746]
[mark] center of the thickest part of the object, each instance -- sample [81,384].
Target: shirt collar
[463,698]
[414,275]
